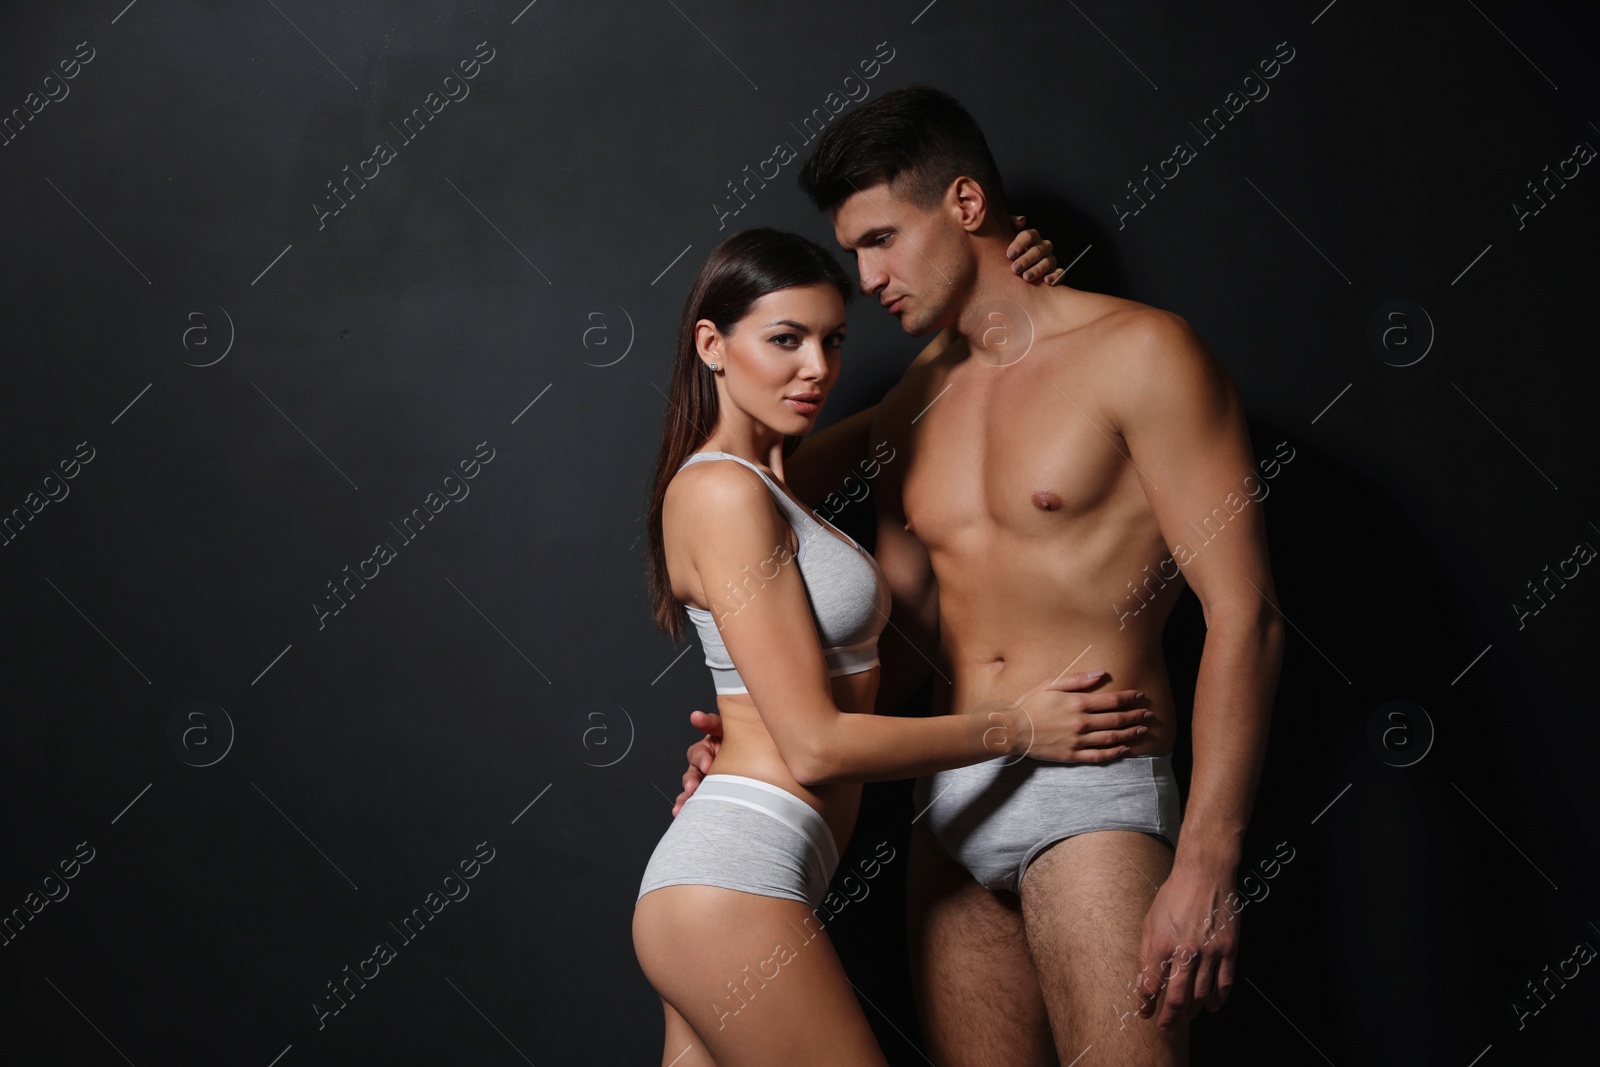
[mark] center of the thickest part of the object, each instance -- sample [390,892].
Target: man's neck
[1001,300]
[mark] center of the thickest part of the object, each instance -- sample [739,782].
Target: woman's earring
[713,368]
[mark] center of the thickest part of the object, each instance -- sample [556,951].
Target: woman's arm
[740,542]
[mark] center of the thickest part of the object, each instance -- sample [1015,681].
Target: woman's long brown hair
[743,268]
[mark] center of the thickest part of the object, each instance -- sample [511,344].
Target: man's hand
[1032,256]
[700,754]
[1190,944]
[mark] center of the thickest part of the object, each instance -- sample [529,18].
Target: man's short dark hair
[917,138]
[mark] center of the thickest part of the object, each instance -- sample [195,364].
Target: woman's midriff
[748,749]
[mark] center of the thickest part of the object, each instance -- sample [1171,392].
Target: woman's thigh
[754,975]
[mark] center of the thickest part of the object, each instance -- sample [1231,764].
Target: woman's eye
[785,339]
[836,340]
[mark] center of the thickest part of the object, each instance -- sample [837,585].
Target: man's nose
[872,279]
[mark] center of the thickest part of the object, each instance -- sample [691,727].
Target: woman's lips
[804,407]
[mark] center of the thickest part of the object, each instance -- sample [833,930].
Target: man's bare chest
[1031,455]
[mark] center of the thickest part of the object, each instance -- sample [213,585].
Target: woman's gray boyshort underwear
[742,833]
[994,818]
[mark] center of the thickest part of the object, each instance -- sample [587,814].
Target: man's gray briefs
[741,833]
[994,818]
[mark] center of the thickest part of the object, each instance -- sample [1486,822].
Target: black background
[499,682]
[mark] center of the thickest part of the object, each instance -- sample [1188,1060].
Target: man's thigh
[977,995]
[1084,901]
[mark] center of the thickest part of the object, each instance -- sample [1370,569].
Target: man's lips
[893,307]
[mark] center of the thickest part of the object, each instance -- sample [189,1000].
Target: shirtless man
[1062,467]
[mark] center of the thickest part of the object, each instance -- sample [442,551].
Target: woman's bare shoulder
[705,497]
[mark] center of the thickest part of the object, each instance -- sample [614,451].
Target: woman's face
[779,361]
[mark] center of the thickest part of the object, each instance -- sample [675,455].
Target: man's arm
[821,461]
[909,644]
[1185,431]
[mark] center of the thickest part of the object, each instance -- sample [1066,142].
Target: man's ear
[968,203]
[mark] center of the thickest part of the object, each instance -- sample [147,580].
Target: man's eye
[882,238]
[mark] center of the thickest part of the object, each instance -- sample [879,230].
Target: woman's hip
[747,835]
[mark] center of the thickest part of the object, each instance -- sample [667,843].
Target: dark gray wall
[218,395]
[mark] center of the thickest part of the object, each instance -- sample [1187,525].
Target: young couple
[1034,463]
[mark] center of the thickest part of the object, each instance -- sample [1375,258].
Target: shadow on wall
[1361,940]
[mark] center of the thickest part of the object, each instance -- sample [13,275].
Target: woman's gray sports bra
[848,592]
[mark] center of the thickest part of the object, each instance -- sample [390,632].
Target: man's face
[917,264]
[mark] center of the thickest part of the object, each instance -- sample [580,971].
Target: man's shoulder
[1129,340]
[1118,326]
[1150,360]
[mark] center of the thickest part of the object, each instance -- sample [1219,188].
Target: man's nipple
[1047,499]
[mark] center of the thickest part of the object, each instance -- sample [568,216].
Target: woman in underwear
[789,609]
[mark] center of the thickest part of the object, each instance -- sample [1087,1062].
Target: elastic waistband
[776,802]
[1159,764]
[1155,757]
